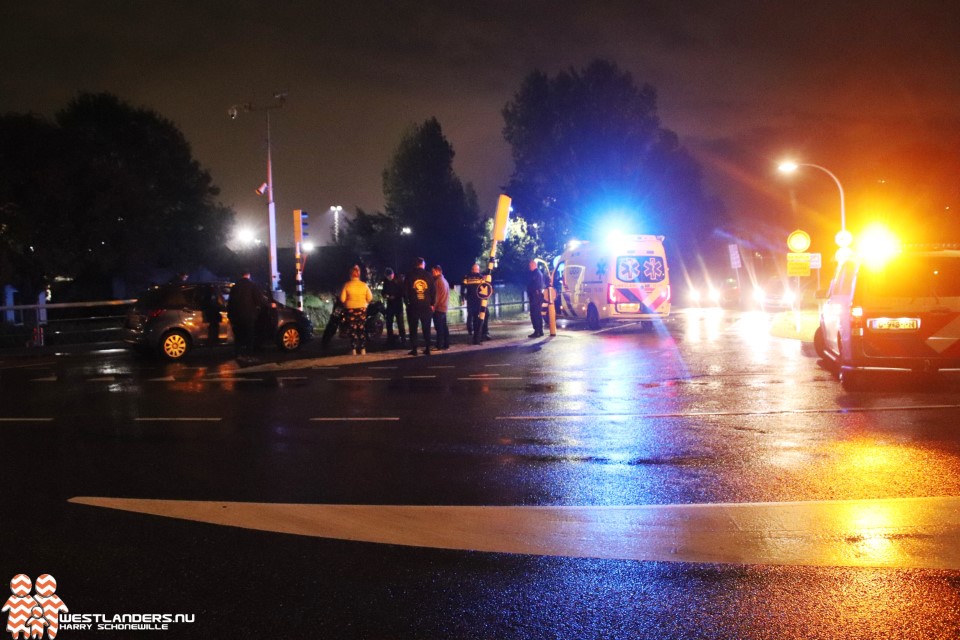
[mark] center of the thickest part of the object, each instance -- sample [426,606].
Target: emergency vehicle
[901,313]
[623,279]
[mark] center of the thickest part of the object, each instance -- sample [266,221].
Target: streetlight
[336,222]
[790,167]
[280,98]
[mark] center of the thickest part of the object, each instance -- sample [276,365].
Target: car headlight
[789,297]
[758,295]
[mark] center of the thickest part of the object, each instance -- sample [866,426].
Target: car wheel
[174,345]
[593,318]
[819,345]
[289,338]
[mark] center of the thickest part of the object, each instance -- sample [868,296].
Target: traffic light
[299,222]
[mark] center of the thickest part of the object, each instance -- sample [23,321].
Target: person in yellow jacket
[355,296]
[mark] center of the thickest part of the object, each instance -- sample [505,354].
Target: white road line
[358,379]
[709,414]
[498,365]
[185,419]
[484,375]
[47,379]
[383,367]
[26,419]
[355,419]
[419,377]
[918,533]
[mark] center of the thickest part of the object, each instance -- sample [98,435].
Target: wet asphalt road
[705,409]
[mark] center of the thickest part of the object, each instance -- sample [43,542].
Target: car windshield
[911,276]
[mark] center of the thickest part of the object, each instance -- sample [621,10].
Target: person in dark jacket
[393,294]
[421,297]
[470,294]
[243,310]
[535,294]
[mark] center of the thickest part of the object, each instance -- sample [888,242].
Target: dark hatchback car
[172,319]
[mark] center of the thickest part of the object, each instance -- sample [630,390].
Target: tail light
[667,299]
[154,313]
[611,294]
[856,320]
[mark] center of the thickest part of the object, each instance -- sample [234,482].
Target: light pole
[267,188]
[336,222]
[790,167]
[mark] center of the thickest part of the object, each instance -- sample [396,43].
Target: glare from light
[573,244]
[788,167]
[843,238]
[309,246]
[246,236]
[758,294]
[714,295]
[877,245]
[406,231]
[789,297]
[695,296]
[843,254]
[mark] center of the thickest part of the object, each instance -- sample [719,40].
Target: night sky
[869,89]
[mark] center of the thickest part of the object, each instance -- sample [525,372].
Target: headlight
[758,294]
[694,295]
[714,295]
[789,297]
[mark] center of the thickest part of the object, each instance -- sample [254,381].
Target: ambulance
[623,279]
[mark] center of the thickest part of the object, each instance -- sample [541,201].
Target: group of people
[420,297]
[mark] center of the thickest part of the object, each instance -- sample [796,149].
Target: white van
[623,280]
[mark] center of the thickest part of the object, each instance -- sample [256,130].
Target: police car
[895,312]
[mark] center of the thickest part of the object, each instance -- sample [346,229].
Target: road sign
[798,264]
[816,260]
[484,290]
[798,241]
[734,256]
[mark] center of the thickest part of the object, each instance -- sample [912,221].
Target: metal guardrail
[38,325]
[35,325]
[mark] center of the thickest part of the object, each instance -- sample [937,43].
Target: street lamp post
[280,98]
[790,167]
[336,223]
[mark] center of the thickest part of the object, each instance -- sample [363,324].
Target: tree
[588,150]
[116,195]
[424,194]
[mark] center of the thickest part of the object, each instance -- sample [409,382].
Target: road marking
[383,367]
[490,378]
[921,533]
[103,379]
[446,366]
[26,419]
[419,377]
[498,365]
[185,419]
[358,379]
[47,379]
[710,414]
[355,419]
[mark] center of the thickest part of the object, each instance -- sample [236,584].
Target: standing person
[470,293]
[355,296]
[243,309]
[535,294]
[440,307]
[421,296]
[393,293]
[212,304]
